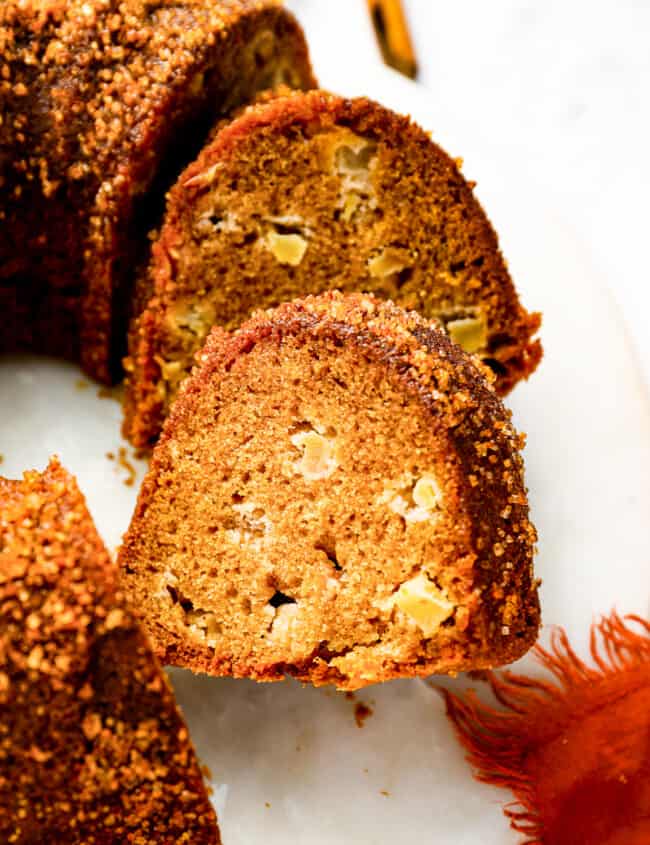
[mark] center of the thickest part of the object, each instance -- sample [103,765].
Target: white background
[562,86]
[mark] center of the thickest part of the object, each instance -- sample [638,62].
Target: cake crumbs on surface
[385,793]
[80,690]
[475,675]
[125,463]
[110,456]
[116,392]
[361,713]
[422,396]
[82,384]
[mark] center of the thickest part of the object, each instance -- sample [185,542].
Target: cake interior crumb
[306,188]
[294,553]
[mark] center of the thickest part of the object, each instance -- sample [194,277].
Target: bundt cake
[92,747]
[306,193]
[337,495]
[102,104]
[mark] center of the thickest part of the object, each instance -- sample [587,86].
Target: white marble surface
[562,87]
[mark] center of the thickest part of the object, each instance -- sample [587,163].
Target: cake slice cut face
[306,193]
[92,746]
[337,495]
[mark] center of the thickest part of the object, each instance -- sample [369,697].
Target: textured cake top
[92,748]
[108,69]
[464,408]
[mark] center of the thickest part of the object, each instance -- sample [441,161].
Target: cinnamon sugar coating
[92,746]
[101,104]
[310,192]
[337,495]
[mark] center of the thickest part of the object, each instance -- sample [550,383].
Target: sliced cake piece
[92,746]
[337,495]
[311,192]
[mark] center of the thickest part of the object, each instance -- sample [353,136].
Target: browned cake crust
[92,747]
[311,192]
[102,104]
[337,495]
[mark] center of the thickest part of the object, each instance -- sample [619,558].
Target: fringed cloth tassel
[574,749]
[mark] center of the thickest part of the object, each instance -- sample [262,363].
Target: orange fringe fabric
[574,749]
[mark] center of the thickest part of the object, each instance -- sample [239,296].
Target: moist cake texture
[103,102]
[92,746]
[337,495]
[310,192]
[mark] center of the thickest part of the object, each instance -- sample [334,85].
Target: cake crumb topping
[92,747]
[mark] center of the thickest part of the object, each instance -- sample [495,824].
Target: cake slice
[310,192]
[337,495]
[92,746]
